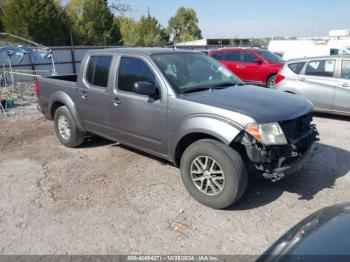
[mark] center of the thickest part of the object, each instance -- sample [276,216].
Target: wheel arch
[55,105]
[59,99]
[187,140]
[196,128]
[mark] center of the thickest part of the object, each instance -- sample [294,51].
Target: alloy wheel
[207,175]
[63,127]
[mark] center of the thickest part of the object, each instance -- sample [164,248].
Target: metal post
[72,52]
[9,61]
[31,62]
[53,64]
[4,74]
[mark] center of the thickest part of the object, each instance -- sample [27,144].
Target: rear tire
[271,81]
[217,185]
[66,129]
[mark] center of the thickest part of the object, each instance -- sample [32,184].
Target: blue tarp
[17,53]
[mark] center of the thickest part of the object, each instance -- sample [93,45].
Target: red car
[252,65]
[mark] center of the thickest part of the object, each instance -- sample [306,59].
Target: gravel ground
[104,198]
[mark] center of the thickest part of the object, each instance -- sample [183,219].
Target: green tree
[98,23]
[74,11]
[145,32]
[74,8]
[184,25]
[1,24]
[128,30]
[150,32]
[2,5]
[261,42]
[42,21]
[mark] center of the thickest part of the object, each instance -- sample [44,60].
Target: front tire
[66,129]
[213,173]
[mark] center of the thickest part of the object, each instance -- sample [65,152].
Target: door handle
[116,101]
[302,79]
[84,95]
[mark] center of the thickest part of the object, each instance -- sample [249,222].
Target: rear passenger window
[103,64]
[296,67]
[97,72]
[320,68]
[233,56]
[249,57]
[132,70]
[345,69]
[90,69]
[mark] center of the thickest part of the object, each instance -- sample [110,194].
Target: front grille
[295,128]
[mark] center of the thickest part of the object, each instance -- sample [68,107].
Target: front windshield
[270,56]
[192,71]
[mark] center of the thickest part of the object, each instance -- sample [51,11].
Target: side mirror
[258,61]
[145,88]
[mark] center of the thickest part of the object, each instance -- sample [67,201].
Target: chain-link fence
[8,78]
[17,88]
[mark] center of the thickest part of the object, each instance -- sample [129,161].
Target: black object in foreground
[322,236]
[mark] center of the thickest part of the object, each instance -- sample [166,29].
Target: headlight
[268,134]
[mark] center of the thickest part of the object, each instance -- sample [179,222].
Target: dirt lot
[103,198]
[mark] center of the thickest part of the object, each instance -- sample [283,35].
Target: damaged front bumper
[284,170]
[278,161]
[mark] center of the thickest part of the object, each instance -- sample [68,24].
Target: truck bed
[61,87]
[70,78]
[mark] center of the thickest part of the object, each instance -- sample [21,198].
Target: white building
[215,42]
[338,42]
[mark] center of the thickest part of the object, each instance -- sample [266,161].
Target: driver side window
[132,70]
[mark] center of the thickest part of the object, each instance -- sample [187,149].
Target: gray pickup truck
[184,107]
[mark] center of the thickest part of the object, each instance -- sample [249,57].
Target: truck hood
[261,104]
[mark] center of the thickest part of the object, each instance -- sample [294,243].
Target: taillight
[279,78]
[37,88]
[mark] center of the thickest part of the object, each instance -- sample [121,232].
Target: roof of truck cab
[140,50]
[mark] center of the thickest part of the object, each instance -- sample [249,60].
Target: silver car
[325,81]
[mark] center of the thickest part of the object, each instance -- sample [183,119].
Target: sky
[253,18]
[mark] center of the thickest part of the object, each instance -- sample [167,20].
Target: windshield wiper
[225,85]
[195,89]
[216,86]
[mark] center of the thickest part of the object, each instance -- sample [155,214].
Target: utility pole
[148,11]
